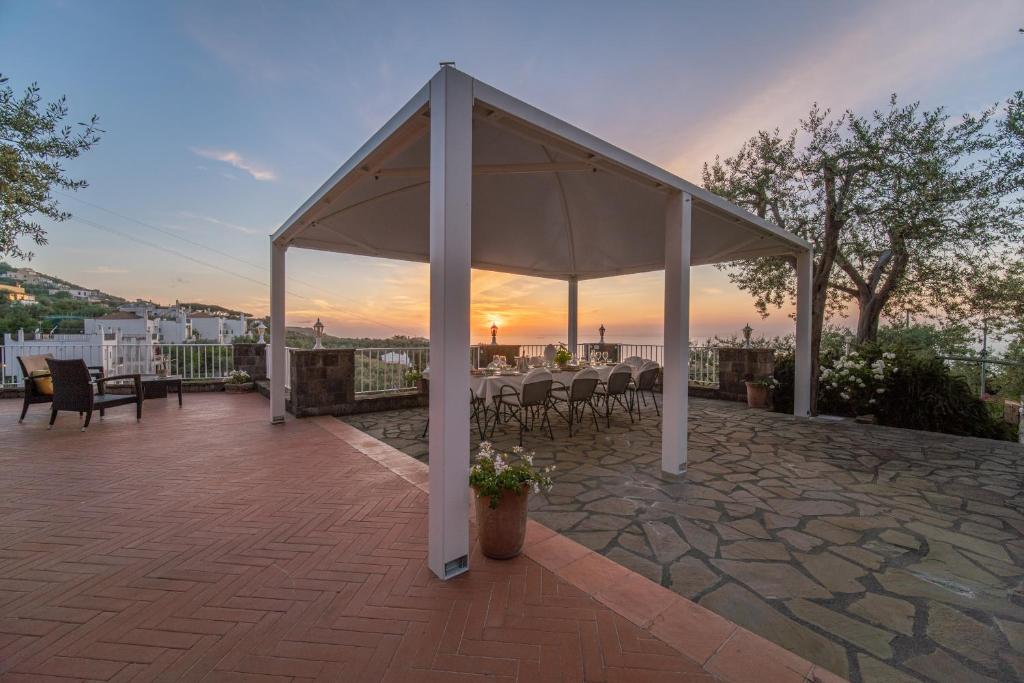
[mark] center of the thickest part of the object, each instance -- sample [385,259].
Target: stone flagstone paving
[879,554]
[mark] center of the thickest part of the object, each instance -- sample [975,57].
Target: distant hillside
[302,338]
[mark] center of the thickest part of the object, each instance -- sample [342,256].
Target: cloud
[256,170]
[223,224]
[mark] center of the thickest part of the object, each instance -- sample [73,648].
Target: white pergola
[465,176]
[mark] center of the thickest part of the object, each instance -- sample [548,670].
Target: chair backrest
[30,364]
[549,353]
[536,387]
[635,362]
[647,376]
[619,378]
[583,384]
[72,386]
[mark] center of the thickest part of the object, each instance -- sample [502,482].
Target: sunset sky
[222,118]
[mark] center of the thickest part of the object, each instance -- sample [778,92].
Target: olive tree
[34,142]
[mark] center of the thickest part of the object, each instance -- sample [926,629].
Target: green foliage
[34,141]
[562,355]
[925,395]
[928,340]
[494,473]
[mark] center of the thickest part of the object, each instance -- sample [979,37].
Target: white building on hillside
[131,327]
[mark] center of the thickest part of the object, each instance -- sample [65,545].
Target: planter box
[239,388]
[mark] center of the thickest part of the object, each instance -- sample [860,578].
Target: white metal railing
[190,361]
[384,370]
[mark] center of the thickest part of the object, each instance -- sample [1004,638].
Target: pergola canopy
[465,176]
[548,200]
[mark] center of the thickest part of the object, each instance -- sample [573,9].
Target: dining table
[486,385]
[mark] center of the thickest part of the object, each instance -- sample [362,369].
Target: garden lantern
[318,334]
[601,331]
[494,333]
[260,329]
[747,331]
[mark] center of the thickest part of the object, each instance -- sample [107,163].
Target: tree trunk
[867,320]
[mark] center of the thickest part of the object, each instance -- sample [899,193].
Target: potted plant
[562,357]
[502,488]
[238,381]
[759,391]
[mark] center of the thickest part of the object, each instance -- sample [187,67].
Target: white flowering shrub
[494,473]
[239,377]
[853,384]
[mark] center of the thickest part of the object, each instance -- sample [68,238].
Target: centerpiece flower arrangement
[853,384]
[503,486]
[562,356]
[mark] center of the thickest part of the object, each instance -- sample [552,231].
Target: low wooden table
[155,386]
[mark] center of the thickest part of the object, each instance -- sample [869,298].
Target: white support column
[451,177]
[277,333]
[574,312]
[675,384]
[802,375]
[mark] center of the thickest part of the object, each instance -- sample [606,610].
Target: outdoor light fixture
[494,333]
[260,329]
[747,330]
[600,331]
[318,334]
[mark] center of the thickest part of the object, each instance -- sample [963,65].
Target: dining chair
[615,389]
[578,396]
[476,404]
[643,385]
[635,362]
[527,404]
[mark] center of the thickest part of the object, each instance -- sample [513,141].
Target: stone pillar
[322,381]
[735,366]
[489,351]
[252,358]
[614,350]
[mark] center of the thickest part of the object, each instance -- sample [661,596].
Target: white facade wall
[131,329]
[209,329]
[174,331]
[234,328]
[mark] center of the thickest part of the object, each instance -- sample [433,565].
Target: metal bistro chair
[635,362]
[578,396]
[643,385]
[525,406]
[476,403]
[73,390]
[615,389]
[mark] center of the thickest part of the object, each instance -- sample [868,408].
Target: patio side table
[154,386]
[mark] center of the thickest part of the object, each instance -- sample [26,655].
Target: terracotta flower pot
[502,530]
[758,396]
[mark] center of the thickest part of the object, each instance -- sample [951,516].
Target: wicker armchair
[73,390]
[34,367]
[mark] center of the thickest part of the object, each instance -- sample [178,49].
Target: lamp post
[494,334]
[747,331]
[260,329]
[318,334]
[601,331]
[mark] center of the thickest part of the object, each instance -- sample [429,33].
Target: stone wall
[614,350]
[252,358]
[322,381]
[735,366]
[489,351]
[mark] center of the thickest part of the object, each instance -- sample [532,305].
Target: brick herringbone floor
[206,544]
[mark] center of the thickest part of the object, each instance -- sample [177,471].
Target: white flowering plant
[238,377]
[493,473]
[854,383]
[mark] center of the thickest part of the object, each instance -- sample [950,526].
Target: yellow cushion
[43,382]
